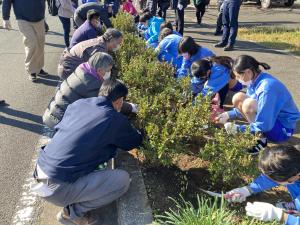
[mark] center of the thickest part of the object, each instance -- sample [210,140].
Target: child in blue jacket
[191,52]
[280,166]
[268,105]
[167,48]
[213,75]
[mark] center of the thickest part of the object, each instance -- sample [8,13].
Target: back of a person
[85,144]
[154,25]
[173,41]
[31,11]
[78,85]
[288,112]
[83,33]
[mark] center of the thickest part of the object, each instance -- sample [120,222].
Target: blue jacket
[85,32]
[29,10]
[274,103]
[168,50]
[219,77]
[89,134]
[153,29]
[185,68]
[263,183]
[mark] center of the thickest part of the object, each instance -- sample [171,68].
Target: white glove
[134,108]
[263,211]
[6,24]
[180,6]
[223,118]
[237,195]
[231,128]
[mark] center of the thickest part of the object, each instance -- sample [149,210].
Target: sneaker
[220,45]
[218,33]
[43,73]
[64,218]
[289,206]
[228,48]
[3,103]
[32,77]
[260,145]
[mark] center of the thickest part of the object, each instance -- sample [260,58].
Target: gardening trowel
[211,193]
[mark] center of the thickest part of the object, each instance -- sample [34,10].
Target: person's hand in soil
[222,118]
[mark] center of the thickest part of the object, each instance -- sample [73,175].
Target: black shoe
[43,73]
[32,77]
[218,33]
[228,48]
[3,103]
[220,45]
[260,146]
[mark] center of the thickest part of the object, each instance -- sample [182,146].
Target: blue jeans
[231,10]
[66,22]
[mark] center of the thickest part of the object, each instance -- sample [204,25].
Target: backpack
[52,8]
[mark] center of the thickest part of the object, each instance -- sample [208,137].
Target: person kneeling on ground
[213,76]
[70,59]
[280,166]
[85,82]
[268,105]
[191,52]
[90,29]
[89,134]
[167,48]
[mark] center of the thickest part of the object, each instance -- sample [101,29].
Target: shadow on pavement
[55,45]
[50,80]
[21,114]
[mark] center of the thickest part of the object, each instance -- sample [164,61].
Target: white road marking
[26,206]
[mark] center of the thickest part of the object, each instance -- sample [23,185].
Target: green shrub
[166,114]
[207,212]
[124,22]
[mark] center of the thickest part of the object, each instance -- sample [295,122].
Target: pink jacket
[129,8]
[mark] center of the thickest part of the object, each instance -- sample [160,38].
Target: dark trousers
[162,13]
[66,22]
[200,10]
[179,20]
[223,93]
[230,21]
[75,5]
[219,19]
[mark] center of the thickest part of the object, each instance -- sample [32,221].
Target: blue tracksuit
[263,183]
[153,29]
[219,77]
[275,105]
[186,64]
[168,50]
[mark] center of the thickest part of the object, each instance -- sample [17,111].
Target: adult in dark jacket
[151,6]
[89,134]
[179,6]
[80,53]
[114,5]
[200,9]
[80,14]
[85,82]
[90,29]
[30,16]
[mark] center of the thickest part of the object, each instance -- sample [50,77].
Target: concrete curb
[133,207]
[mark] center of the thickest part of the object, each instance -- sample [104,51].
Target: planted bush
[166,114]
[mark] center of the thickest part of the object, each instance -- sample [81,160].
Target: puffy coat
[80,53]
[79,84]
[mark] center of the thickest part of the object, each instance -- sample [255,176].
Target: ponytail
[264,65]
[244,62]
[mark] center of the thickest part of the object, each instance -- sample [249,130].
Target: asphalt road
[21,123]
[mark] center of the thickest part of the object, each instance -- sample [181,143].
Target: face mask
[186,56]
[106,75]
[116,48]
[245,83]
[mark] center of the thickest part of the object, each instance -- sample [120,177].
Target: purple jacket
[85,32]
